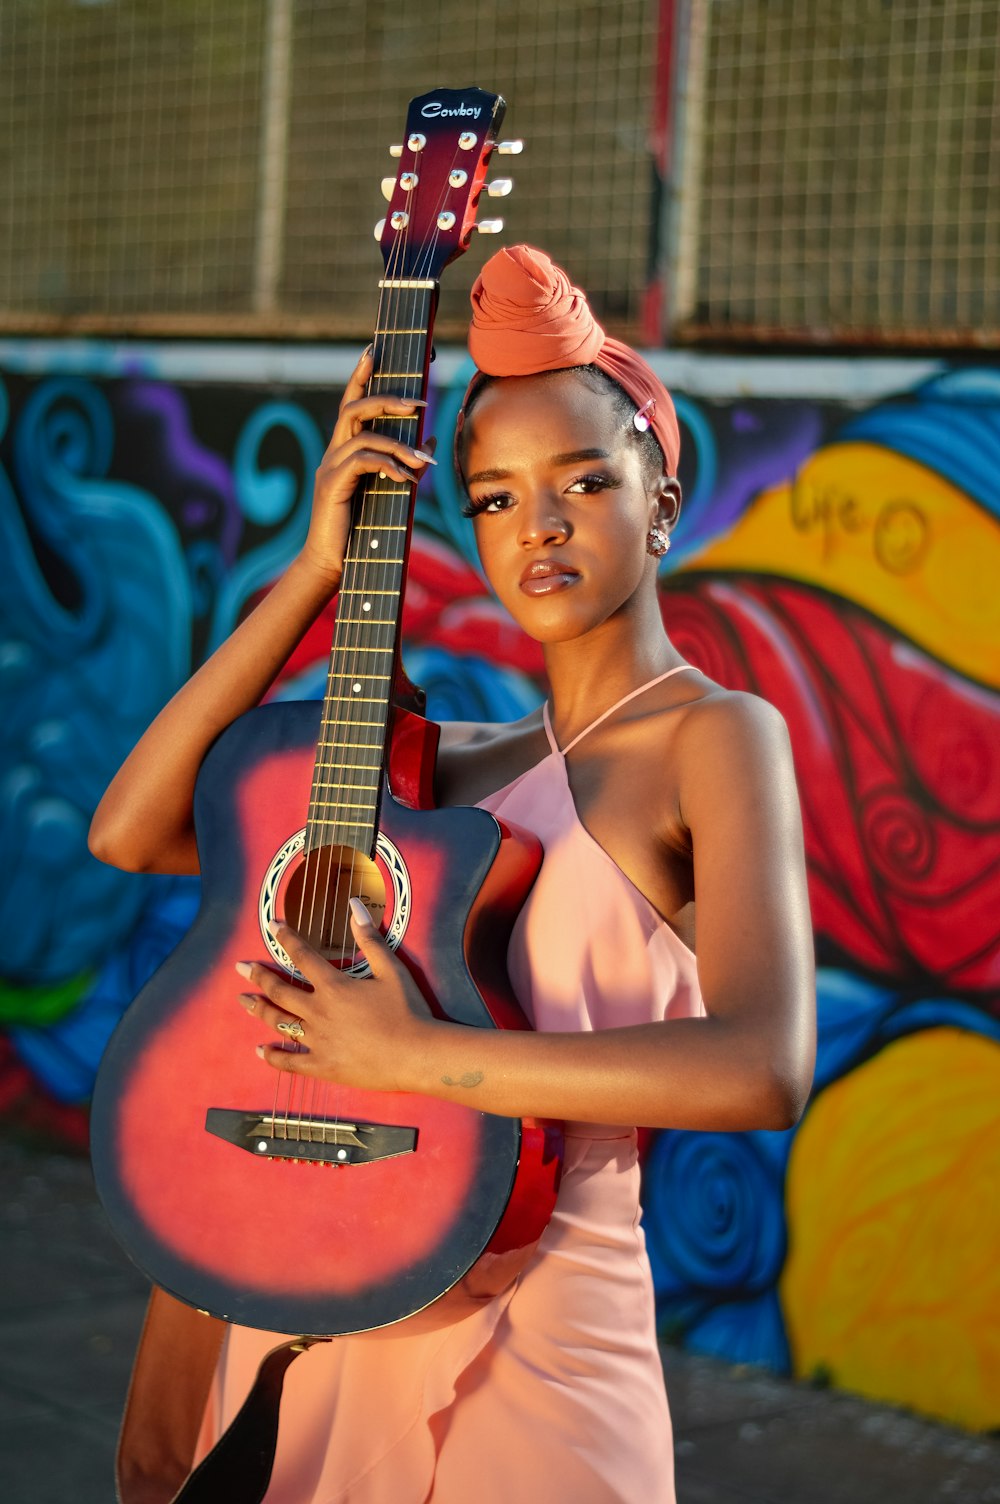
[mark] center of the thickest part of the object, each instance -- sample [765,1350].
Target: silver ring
[292,1027]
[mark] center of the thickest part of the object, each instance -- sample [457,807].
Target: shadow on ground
[71,1305]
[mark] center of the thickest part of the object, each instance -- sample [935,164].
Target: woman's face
[561,502]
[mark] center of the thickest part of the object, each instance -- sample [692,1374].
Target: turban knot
[527,317]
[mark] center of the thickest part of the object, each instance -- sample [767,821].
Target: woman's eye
[587,484]
[498,502]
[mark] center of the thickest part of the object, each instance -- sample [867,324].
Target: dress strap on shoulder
[547,723]
[610,710]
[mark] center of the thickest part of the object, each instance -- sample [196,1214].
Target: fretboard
[350,756]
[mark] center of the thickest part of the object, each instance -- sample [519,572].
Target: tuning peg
[500,187]
[379,228]
[510,148]
[388,188]
[490,226]
[397,150]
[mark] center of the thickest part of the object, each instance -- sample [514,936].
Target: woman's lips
[545,576]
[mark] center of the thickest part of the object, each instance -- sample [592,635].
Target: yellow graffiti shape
[891,535]
[892,1282]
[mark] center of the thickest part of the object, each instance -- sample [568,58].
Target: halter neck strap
[610,710]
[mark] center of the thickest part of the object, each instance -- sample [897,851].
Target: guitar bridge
[309,1140]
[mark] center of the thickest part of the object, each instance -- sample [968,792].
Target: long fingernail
[274,926]
[244,968]
[248,1002]
[423,455]
[359,913]
[415,402]
[368,350]
[259,1052]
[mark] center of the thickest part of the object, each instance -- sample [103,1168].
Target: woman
[648,785]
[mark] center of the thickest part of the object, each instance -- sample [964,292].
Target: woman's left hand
[355,1031]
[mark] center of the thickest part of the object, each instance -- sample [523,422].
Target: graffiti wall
[839,554]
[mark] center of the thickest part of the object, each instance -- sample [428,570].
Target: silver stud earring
[657,542]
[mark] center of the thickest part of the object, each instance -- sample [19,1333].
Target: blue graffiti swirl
[65,1056]
[94,638]
[720,1197]
[951,424]
[268,497]
[714,1202]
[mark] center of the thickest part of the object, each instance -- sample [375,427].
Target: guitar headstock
[433,199]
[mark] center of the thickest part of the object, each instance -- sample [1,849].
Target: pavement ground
[71,1305]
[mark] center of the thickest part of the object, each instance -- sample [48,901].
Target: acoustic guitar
[410,1208]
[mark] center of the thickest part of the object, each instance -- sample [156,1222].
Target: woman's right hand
[354,451]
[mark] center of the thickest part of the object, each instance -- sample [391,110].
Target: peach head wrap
[527,317]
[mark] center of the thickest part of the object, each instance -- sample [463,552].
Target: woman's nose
[542,522]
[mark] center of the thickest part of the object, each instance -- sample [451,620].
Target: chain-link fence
[843,171]
[214,165]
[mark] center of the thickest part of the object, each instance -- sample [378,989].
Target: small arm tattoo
[471,1078]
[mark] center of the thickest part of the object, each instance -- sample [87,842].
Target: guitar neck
[450,136]
[350,755]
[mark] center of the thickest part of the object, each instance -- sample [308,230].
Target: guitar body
[407,1204]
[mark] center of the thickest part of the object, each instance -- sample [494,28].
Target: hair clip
[644,417]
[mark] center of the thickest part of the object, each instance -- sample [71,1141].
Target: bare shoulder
[457,736]
[733,742]
[465,736]
[475,758]
[735,716]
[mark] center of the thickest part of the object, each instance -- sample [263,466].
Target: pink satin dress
[555,1390]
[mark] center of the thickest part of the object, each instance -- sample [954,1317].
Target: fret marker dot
[356,688]
[373,543]
[366,605]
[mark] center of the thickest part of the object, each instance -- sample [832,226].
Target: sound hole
[317,896]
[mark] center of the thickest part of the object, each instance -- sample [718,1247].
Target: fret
[400,491]
[380,332]
[343,673]
[422,282]
[341,783]
[366,621]
[362,699]
[349,788]
[343,824]
[343,803]
[363,560]
[397,375]
[359,649]
[383,527]
[359,746]
[349,673]
[336,721]
[357,590]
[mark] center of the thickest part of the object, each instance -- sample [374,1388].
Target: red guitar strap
[174,1366]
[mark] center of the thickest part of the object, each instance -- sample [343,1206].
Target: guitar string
[352,670]
[340,701]
[403,315]
[398,510]
[399,504]
[337,704]
[312,858]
